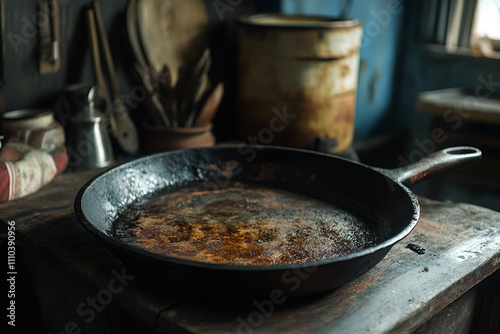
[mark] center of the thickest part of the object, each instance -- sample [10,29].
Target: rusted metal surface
[245,225]
[308,66]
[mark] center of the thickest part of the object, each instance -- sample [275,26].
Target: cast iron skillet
[363,190]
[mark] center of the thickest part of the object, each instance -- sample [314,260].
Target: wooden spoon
[210,107]
[124,130]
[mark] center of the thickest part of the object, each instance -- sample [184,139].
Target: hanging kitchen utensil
[100,83]
[49,58]
[125,131]
[95,52]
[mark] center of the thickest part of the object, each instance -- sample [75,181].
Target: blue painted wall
[382,22]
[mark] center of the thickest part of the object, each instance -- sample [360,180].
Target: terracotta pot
[158,139]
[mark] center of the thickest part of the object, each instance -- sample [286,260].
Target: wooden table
[61,269]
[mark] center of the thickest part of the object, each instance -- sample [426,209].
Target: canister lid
[22,114]
[283,21]
[24,119]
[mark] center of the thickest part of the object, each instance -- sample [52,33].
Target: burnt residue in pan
[416,248]
[242,224]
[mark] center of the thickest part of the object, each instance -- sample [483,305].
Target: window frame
[445,30]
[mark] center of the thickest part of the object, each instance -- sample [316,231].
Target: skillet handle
[434,163]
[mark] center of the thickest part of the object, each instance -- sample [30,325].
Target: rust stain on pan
[267,172]
[244,225]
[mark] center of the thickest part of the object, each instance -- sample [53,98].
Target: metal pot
[306,65]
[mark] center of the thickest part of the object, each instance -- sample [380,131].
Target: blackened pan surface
[378,209]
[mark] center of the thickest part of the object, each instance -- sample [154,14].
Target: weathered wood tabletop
[461,242]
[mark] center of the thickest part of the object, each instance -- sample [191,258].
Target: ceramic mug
[34,127]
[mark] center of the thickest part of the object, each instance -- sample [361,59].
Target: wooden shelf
[472,106]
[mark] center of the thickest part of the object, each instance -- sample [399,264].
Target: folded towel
[25,169]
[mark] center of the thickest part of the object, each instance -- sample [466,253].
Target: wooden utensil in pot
[210,107]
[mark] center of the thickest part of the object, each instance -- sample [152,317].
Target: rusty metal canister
[297,80]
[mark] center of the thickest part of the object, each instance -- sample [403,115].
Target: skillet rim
[102,237]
